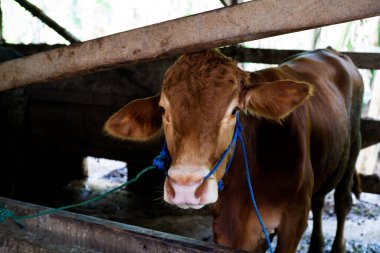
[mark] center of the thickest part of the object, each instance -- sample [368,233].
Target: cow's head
[196,110]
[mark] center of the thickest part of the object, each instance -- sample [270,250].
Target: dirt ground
[362,226]
[362,231]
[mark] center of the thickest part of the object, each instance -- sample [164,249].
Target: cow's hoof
[338,248]
[313,249]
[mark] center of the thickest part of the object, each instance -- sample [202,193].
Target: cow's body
[298,151]
[284,173]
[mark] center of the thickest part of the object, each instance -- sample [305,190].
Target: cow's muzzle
[187,188]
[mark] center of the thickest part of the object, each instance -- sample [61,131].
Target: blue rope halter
[237,132]
[162,161]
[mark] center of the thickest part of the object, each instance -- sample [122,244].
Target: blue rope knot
[162,160]
[159,162]
[220,185]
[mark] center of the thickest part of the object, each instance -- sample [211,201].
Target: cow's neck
[268,146]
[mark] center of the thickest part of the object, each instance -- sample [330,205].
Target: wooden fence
[243,22]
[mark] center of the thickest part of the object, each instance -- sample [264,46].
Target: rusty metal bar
[248,21]
[38,13]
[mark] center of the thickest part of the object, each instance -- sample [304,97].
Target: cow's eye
[234,111]
[165,115]
[162,110]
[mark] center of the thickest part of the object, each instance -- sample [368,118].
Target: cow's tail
[357,185]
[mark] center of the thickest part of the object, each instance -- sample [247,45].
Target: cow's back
[334,108]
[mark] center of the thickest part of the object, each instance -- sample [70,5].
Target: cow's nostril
[169,190]
[201,189]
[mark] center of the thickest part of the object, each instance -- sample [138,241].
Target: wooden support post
[38,13]
[1,26]
[227,3]
[243,22]
[224,3]
[367,159]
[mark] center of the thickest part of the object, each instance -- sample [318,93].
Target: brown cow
[301,132]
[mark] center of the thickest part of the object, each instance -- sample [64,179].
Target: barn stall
[61,120]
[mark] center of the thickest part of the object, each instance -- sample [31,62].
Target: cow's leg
[343,202]
[316,241]
[343,198]
[292,226]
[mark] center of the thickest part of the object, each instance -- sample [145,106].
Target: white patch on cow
[183,206]
[164,102]
[212,190]
[185,194]
[197,172]
[193,206]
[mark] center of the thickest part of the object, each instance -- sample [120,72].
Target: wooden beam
[38,13]
[94,234]
[370,131]
[365,60]
[275,56]
[247,21]
[14,239]
[1,26]
[256,55]
[370,183]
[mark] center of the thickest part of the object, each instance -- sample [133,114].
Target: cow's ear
[141,119]
[275,100]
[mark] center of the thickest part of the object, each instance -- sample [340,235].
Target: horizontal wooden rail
[275,56]
[370,183]
[370,132]
[363,60]
[56,232]
[248,21]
